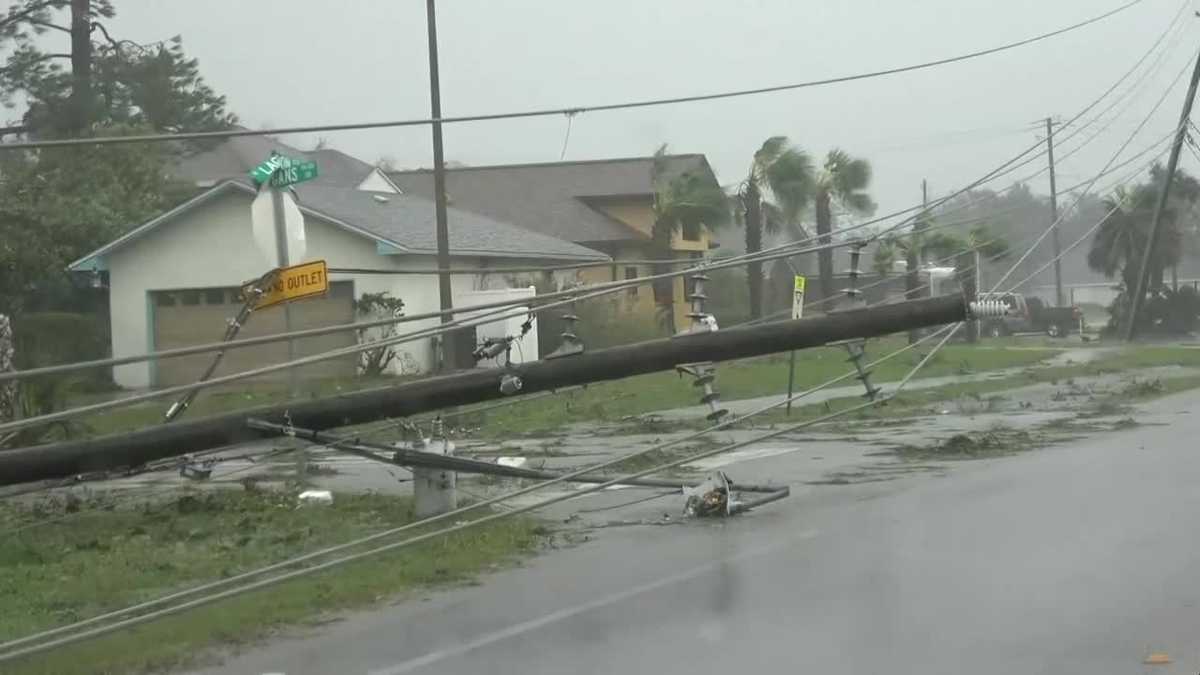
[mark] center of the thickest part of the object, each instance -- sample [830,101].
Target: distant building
[174,280]
[605,205]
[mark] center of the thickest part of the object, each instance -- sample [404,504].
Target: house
[235,157]
[174,280]
[606,205]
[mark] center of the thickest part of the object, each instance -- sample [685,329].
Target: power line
[1079,197]
[10,653]
[1091,229]
[599,290]
[573,110]
[486,317]
[1003,169]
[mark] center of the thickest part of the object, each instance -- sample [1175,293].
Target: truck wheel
[1053,330]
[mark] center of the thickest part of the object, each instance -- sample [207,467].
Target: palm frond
[791,181]
[765,156]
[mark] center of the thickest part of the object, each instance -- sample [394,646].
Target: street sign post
[263,221]
[798,297]
[798,283]
[293,283]
[285,218]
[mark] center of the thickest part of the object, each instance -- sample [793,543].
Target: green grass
[99,559]
[211,402]
[746,378]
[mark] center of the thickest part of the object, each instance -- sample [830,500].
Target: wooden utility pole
[69,458]
[445,296]
[80,115]
[1060,300]
[1139,293]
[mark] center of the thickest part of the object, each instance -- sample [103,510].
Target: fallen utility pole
[418,458]
[64,459]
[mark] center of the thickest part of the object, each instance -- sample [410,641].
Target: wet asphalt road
[1080,558]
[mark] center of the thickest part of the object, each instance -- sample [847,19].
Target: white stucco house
[175,280]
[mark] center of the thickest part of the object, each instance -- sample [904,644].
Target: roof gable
[550,197]
[234,157]
[400,223]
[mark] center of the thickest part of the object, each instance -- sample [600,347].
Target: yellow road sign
[798,298]
[293,283]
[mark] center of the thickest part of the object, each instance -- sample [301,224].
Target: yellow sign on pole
[798,298]
[292,283]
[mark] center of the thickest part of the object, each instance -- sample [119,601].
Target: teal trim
[388,249]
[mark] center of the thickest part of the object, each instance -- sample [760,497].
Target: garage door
[189,317]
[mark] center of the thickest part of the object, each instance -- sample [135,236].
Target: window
[164,300]
[214,296]
[631,273]
[189,298]
[691,231]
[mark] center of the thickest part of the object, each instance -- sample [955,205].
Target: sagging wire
[210,586]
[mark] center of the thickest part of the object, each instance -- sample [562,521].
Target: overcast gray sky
[302,61]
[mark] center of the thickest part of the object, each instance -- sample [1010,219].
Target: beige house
[605,205]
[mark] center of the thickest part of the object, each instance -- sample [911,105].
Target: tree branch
[39,59]
[29,11]
[47,24]
[118,44]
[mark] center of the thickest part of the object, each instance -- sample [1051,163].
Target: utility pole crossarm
[69,458]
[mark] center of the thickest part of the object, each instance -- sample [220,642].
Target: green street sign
[262,173]
[282,171]
[292,172]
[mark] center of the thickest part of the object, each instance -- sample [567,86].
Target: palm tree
[686,200]
[1119,243]
[775,192]
[843,180]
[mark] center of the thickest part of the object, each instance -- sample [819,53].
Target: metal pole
[791,380]
[1152,242]
[1058,287]
[445,296]
[281,252]
[68,458]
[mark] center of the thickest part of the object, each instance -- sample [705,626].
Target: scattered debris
[316,498]
[710,498]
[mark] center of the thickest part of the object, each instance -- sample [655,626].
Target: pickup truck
[1030,316]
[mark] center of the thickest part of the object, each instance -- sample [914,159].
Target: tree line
[74,78]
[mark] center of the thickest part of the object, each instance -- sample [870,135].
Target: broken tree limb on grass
[58,460]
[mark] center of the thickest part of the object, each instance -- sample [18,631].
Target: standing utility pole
[439,184]
[1152,241]
[1058,287]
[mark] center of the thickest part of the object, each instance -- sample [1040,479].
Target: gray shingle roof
[234,157]
[402,220]
[408,221]
[550,198]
